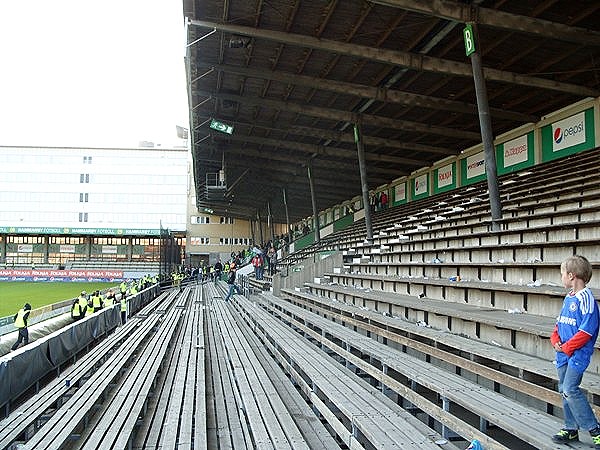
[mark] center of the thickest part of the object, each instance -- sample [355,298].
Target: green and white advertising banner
[420,186]
[445,178]
[78,231]
[399,194]
[568,136]
[473,168]
[344,222]
[515,154]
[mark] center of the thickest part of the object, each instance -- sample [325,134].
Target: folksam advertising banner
[445,178]
[568,136]
[61,275]
[516,154]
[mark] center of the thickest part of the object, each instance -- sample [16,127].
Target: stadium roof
[292,76]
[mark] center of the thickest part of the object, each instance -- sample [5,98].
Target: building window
[87,159]
[83,197]
[228,220]
[199,220]
[83,217]
[199,240]
[84,177]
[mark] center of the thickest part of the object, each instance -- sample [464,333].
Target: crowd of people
[87,304]
[263,258]
[378,201]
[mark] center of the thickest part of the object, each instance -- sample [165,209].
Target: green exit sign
[220,126]
[469,39]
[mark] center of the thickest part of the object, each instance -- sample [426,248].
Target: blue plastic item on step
[475,445]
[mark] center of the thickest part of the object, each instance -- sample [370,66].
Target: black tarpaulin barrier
[22,369]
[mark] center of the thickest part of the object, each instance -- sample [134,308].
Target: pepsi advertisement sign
[568,132]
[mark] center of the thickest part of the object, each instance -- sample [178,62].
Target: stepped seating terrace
[128,266]
[382,360]
[358,412]
[88,378]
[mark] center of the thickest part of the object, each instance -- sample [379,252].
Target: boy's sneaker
[564,436]
[595,433]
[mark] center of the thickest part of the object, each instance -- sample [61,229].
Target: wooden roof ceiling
[292,76]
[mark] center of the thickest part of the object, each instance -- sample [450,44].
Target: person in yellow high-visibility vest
[79,307]
[21,323]
[123,310]
[90,307]
[97,301]
[109,300]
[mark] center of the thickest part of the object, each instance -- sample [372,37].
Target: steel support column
[259,228]
[287,217]
[271,224]
[362,166]
[313,197]
[487,136]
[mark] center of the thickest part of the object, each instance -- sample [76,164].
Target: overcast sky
[91,73]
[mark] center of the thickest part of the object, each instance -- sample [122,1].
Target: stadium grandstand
[412,174]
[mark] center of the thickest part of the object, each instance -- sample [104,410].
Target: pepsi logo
[568,132]
[558,135]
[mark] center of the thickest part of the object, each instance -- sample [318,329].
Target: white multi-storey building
[59,204]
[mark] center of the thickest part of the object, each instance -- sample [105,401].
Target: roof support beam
[405,59]
[381,94]
[323,150]
[462,12]
[345,116]
[297,161]
[346,137]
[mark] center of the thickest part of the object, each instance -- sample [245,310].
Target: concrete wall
[306,271]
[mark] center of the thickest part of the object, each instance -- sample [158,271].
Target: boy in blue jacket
[573,339]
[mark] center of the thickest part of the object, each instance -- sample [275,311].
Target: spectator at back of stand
[257,263]
[384,200]
[305,229]
[272,255]
[218,270]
